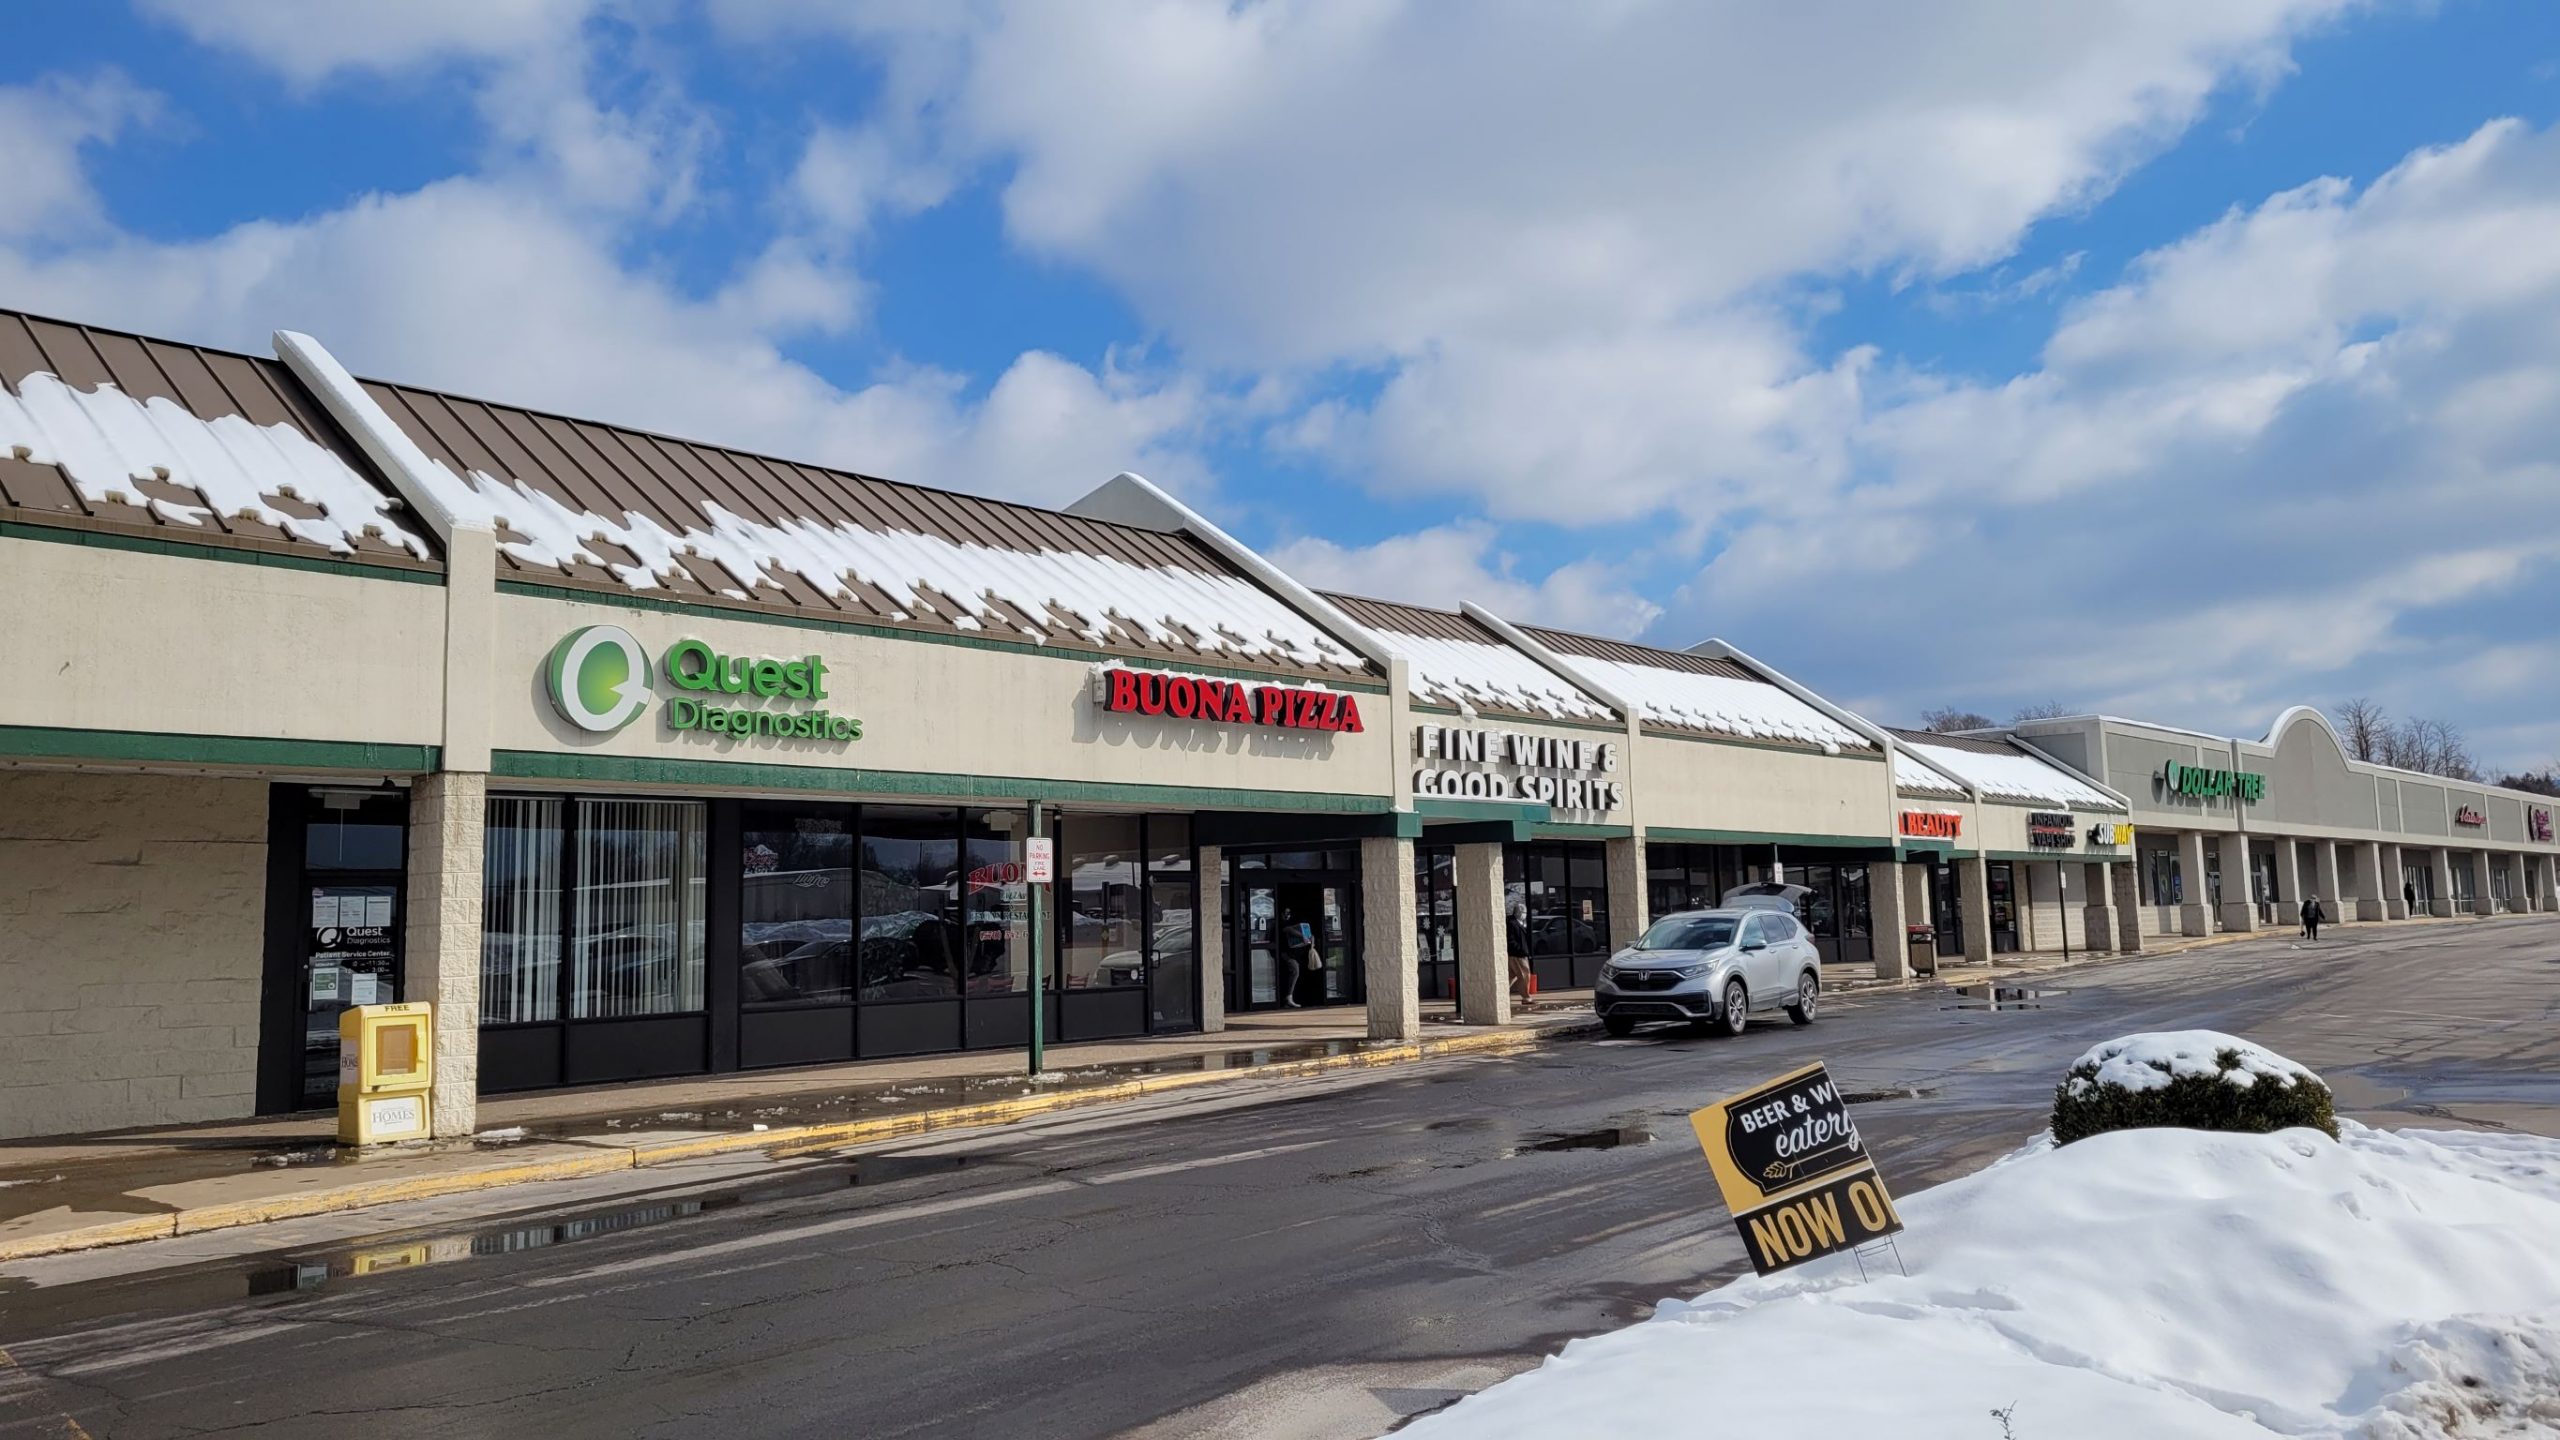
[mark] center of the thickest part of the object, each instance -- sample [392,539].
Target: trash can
[1923,940]
[386,1069]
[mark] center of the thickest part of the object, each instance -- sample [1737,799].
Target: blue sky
[2187,360]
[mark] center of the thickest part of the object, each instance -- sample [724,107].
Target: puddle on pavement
[1998,997]
[1609,1138]
[1879,1097]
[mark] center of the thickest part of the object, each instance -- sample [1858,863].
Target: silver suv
[1712,968]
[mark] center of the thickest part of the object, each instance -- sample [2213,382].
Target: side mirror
[1755,944]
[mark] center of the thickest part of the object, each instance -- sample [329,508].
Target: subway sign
[1119,690]
[2198,783]
[599,679]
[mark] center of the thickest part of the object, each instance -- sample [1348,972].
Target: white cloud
[1447,564]
[309,41]
[42,129]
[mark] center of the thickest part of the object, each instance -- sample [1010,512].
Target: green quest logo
[600,681]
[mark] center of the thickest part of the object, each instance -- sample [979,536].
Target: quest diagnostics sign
[600,680]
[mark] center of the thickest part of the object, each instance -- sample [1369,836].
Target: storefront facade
[640,757]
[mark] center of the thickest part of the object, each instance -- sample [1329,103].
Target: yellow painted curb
[783,1141]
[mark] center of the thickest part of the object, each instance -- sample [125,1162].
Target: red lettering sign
[1932,825]
[1203,697]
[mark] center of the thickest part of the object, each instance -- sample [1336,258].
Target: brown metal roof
[614,471]
[1976,744]
[1406,619]
[1566,642]
[209,384]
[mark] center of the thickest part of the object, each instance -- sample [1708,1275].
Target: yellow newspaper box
[386,1066]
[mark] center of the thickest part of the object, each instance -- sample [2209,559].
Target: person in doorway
[1293,945]
[2409,889]
[1515,940]
[2312,915]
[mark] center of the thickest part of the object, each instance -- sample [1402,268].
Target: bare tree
[2431,747]
[1946,720]
[2042,710]
[2364,726]
[2543,782]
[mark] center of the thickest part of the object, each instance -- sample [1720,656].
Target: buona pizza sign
[1171,695]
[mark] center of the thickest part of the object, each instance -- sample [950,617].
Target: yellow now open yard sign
[1793,1171]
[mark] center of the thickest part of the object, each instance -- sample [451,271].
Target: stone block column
[2127,886]
[1390,952]
[448,815]
[2325,857]
[2097,916]
[1211,923]
[1887,921]
[2441,863]
[1628,902]
[2395,898]
[2195,917]
[2239,911]
[2482,901]
[2550,883]
[2369,883]
[1484,957]
[1975,883]
[2288,883]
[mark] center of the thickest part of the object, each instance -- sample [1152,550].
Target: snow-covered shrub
[2188,1079]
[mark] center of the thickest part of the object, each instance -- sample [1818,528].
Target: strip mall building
[644,757]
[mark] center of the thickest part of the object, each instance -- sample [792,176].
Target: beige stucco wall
[101,639]
[930,707]
[1704,785]
[131,915]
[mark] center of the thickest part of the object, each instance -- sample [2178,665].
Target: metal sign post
[1039,869]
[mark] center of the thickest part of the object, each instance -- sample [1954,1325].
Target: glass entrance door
[342,855]
[2004,907]
[1269,904]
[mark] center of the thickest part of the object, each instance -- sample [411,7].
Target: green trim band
[226,554]
[41,742]
[1764,837]
[1584,832]
[1433,808]
[764,775]
[753,615]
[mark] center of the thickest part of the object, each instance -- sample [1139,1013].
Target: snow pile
[106,442]
[1099,594]
[2150,1061]
[2144,1283]
[1749,709]
[1910,774]
[1468,673]
[2016,776]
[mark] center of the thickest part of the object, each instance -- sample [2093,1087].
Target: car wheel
[1736,1016]
[1808,997]
[1617,1024]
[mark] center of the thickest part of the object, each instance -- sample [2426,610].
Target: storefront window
[1173,935]
[1435,920]
[998,954]
[795,909]
[638,909]
[1105,916]
[909,903]
[1855,917]
[520,912]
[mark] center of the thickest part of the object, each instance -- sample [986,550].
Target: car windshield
[1688,932]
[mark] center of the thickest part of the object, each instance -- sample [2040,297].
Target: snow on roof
[107,443]
[1102,597]
[1468,674]
[1910,774]
[2014,776]
[1748,709]
[2150,1061]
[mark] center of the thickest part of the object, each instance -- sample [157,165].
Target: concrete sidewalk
[82,1192]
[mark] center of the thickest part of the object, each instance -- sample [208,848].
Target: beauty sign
[1793,1171]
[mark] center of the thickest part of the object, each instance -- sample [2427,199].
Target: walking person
[2409,888]
[1515,939]
[2312,915]
[1293,945]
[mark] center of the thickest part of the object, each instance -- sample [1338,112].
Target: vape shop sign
[1793,1171]
[2049,830]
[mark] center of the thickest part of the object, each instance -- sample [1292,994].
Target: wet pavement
[1326,1254]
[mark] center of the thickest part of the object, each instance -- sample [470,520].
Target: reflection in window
[638,909]
[997,957]
[910,907]
[1173,930]
[520,912]
[795,909]
[1104,918]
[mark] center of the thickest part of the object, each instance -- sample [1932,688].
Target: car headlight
[1692,972]
[1609,972]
